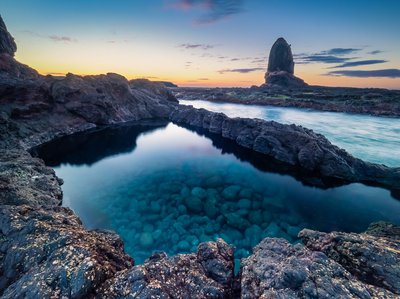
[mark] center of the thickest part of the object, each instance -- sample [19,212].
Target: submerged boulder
[7,43]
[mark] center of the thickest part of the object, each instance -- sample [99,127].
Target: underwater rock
[231,192]
[193,204]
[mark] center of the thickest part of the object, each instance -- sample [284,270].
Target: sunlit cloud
[241,71]
[196,46]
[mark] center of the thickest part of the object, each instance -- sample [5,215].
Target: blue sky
[210,42]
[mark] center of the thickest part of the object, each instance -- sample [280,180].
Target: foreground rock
[205,274]
[291,144]
[335,265]
[281,67]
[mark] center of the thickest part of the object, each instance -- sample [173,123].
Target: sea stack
[7,43]
[280,72]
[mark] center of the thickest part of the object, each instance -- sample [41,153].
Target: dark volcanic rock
[46,253]
[281,57]
[291,144]
[205,274]
[7,43]
[281,67]
[278,269]
[373,257]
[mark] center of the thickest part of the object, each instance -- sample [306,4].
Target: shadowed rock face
[7,43]
[280,71]
[281,57]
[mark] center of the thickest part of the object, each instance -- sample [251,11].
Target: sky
[210,42]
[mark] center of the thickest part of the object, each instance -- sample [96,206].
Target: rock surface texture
[373,101]
[291,144]
[281,66]
[45,252]
[7,43]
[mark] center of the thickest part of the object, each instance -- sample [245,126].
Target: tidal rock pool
[162,187]
[371,138]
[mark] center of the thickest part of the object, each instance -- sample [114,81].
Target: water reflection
[164,187]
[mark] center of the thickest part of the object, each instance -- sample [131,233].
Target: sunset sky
[210,42]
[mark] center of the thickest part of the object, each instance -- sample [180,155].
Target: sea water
[166,188]
[371,138]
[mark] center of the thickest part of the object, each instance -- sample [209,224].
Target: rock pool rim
[259,161]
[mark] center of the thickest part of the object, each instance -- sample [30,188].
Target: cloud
[242,71]
[214,10]
[59,38]
[334,55]
[358,63]
[196,46]
[386,73]
[54,38]
[321,58]
[340,51]
[375,52]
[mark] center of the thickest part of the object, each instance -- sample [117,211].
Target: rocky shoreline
[45,252]
[371,101]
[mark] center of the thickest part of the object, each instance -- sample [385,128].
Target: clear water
[165,188]
[371,138]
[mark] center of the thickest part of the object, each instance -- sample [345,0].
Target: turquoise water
[371,138]
[166,188]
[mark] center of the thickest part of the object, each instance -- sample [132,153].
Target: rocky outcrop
[205,274]
[281,67]
[7,43]
[334,265]
[281,57]
[291,144]
[382,102]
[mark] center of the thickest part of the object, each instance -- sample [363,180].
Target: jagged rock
[280,70]
[26,180]
[373,257]
[7,43]
[47,253]
[277,269]
[291,144]
[205,274]
[281,57]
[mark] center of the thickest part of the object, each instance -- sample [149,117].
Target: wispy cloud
[359,63]
[320,58]
[59,38]
[340,51]
[242,71]
[334,55]
[196,46]
[54,38]
[213,10]
[385,73]
[375,52]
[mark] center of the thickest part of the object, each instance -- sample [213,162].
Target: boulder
[280,72]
